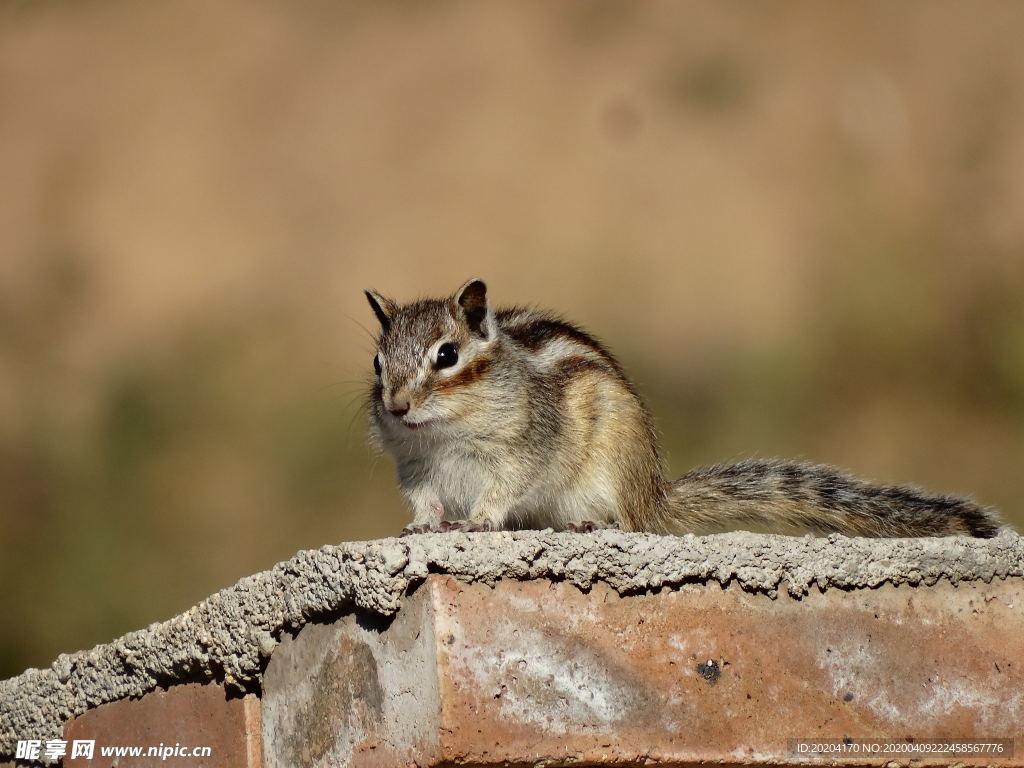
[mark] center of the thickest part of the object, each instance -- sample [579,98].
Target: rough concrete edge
[229,635]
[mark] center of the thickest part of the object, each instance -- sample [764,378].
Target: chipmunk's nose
[398,403]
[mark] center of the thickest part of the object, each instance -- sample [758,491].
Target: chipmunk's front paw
[589,526]
[410,530]
[466,526]
[445,526]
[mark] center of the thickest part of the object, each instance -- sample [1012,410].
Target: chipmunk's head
[430,355]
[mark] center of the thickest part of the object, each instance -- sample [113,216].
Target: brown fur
[471,374]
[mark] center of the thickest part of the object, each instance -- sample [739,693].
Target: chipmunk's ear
[383,307]
[472,300]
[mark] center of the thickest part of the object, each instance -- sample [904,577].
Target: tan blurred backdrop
[798,225]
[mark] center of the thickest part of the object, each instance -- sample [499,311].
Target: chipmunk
[517,419]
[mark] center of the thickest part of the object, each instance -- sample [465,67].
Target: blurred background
[798,225]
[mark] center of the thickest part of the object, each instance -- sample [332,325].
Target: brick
[190,715]
[356,691]
[539,671]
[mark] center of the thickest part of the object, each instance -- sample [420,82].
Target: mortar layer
[230,635]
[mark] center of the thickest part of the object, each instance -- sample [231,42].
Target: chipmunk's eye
[376,364]
[447,356]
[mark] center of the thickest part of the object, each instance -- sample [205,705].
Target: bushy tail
[795,497]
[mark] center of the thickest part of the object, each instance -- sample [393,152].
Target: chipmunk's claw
[589,526]
[446,526]
[466,526]
[411,530]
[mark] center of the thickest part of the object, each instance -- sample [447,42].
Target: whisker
[351,397]
[369,334]
[360,410]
